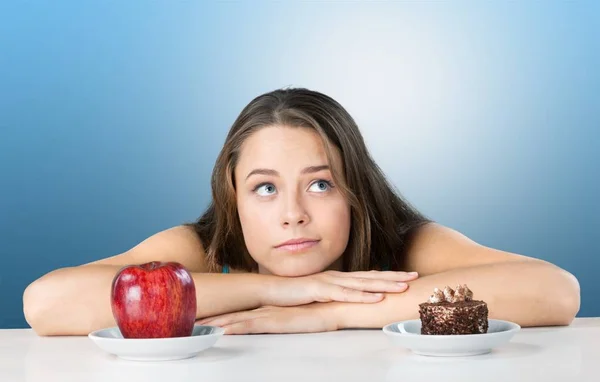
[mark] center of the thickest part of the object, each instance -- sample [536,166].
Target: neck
[337,265]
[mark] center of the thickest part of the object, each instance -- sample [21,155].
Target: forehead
[286,148]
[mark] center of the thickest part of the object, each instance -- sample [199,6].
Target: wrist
[336,315]
[350,315]
[268,288]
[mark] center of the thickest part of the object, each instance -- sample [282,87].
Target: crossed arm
[524,290]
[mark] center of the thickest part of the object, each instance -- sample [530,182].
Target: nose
[294,213]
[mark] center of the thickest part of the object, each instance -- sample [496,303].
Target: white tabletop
[549,354]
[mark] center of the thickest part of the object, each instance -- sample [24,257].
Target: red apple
[154,300]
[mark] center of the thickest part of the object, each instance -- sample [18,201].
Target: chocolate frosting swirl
[459,294]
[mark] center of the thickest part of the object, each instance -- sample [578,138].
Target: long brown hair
[381,219]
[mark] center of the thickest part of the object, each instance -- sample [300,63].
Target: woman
[304,234]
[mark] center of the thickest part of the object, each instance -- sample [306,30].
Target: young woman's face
[285,192]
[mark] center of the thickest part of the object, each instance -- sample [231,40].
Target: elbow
[39,302]
[569,298]
[565,299]
[553,297]
[34,306]
[65,302]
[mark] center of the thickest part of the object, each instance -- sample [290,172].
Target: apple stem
[151,265]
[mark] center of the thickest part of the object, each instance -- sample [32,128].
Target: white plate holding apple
[156,349]
[154,306]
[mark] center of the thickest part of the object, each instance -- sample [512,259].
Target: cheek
[256,220]
[334,223]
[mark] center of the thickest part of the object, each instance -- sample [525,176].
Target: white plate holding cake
[452,324]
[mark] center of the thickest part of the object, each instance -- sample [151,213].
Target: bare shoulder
[435,248]
[180,244]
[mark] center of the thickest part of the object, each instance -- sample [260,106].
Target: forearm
[76,301]
[529,293]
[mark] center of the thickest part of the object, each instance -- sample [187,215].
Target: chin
[296,264]
[290,272]
[295,270]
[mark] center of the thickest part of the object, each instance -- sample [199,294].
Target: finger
[253,326]
[235,316]
[370,285]
[211,319]
[262,325]
[228,318]
[380,275]
[345,294]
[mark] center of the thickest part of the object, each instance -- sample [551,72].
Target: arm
[527,291]
[76,300]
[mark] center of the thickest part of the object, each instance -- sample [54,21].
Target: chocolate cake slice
[453,312]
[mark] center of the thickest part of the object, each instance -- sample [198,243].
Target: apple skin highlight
[154,300]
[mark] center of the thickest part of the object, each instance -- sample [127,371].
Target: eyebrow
[268,171]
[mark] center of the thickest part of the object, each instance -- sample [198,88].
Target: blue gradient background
[485,115]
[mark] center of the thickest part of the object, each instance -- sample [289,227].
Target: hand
[362,287]
[275,319]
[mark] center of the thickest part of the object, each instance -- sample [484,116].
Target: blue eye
[320,186]
[265,189]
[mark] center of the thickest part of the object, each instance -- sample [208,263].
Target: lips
[296,245]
